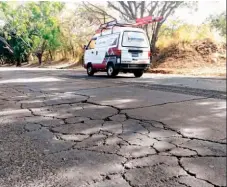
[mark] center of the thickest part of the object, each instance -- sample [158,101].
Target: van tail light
[149,54]
[117,52]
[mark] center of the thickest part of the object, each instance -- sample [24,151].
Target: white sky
[205,8]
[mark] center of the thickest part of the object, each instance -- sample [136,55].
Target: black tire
[138,73]
[111,72]
[116,72]
[90,70]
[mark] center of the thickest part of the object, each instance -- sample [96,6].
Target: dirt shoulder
[201,58]
[209,71]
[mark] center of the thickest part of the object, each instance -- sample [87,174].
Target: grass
[190,50]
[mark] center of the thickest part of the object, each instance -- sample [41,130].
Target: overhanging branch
[7,46]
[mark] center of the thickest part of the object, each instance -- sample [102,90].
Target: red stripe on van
[99,66]
[114,51]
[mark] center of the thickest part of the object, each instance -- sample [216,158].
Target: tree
[45,28]
[219,23]
[32,28]
[78,26]
[130,10]
[15,31]
[76,29]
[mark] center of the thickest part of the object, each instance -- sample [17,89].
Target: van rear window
[134,39]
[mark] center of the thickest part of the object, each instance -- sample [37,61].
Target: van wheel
[111,72]
[138,73]
[116,72]
[90,70]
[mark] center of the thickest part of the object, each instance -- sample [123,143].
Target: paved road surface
[62,128]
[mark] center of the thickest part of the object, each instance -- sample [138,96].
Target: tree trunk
[155,38]
[73,53]
[72,49]
[40,52]
[51,56]
[153,46]
[153,41]
[40,59]
[2,61]
[18,62]
[39,56]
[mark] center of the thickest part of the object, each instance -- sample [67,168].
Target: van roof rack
[137,23]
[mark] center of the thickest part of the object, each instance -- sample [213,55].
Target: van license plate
[135,54]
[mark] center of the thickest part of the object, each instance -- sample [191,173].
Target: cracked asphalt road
[60,128]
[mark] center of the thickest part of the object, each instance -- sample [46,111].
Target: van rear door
[135,48]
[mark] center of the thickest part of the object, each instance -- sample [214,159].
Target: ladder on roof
[139,22]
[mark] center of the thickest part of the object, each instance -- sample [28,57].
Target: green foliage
[13,23]
[77,28]
[32,27]
[218,22]
[45,28]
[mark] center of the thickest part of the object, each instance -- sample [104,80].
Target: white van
[119,49]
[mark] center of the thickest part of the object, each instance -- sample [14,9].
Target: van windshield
[134,39]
